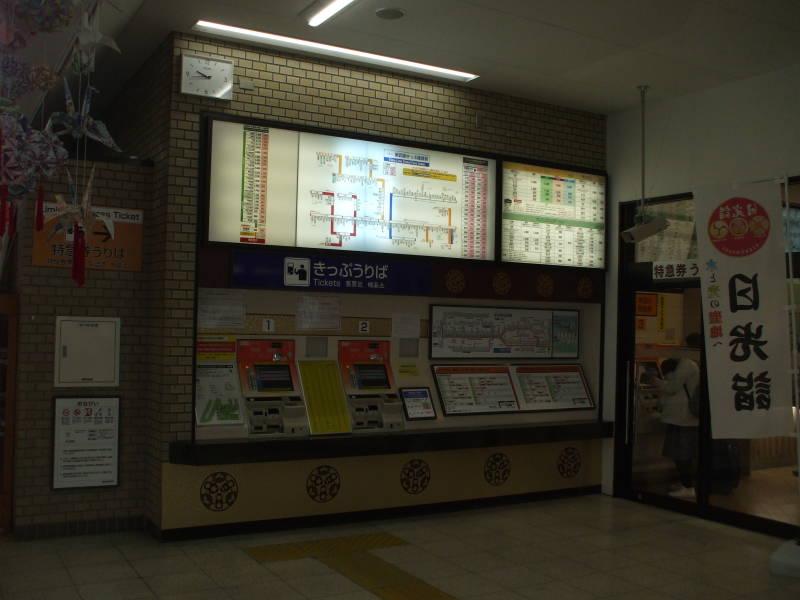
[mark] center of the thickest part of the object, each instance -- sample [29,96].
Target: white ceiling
[587,54]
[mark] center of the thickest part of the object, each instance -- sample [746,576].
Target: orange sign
[120,250]
[646,305]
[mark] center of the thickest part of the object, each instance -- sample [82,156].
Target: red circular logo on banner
[738,227]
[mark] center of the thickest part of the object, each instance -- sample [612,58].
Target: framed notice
[270,186]
[86,442]
[551,387]
[417,403]
[553,216]
[475,389]
[504,333]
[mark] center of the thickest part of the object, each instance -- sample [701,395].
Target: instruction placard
[86,444]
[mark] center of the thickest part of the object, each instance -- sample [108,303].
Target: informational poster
[551,387]
[475,389]
[553,216]
[220,308]
[507,333]
[747,329]
[86,442]
[272,186]
[314,312]
[218,399]
[417,403]
[118,248]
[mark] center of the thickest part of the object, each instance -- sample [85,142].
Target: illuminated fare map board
[553,216]
[273,186]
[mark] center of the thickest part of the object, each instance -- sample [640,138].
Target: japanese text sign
[331,274]
[117,250]
[743,282]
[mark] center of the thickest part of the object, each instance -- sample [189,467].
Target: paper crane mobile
[80,123]
[80,218]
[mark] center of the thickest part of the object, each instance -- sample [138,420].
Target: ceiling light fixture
[327,11]
[280,41]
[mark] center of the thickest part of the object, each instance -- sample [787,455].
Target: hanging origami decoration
[90,38]
[79,123]
[27,155]
[80,218]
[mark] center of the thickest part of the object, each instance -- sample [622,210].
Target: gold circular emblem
[454,281]
[585,287]
[545,286]
[501,283]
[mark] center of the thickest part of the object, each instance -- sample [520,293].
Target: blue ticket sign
[330,274]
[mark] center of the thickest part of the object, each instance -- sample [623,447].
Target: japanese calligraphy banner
[743,282]
[328,274]
[117,250]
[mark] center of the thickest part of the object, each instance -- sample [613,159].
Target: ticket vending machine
[271,388]
[369,385]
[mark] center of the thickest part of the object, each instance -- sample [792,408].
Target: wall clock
[205,76]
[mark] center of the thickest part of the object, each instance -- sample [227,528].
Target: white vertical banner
[743,280]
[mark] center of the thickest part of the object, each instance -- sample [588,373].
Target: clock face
[203,76]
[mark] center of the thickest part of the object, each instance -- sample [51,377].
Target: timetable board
[475,389]
[505,333]
[552,216]
[275,187]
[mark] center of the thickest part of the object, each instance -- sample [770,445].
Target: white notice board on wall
[86,442]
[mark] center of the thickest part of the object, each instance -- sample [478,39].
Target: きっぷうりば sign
[120,250]
[743,284]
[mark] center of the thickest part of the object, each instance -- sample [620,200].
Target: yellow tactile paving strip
[350,557]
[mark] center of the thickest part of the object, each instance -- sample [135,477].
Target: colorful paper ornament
[80,123]
[46,16]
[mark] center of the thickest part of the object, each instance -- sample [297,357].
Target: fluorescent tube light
[322,15]
[270,39]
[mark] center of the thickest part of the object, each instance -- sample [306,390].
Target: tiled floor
[587,547]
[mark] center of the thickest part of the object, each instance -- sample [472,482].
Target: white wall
[744,130]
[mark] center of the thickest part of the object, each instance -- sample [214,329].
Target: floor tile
[301,567]
[164,565]
[26,582]
[101,573]
[126,589]
[68,593]
[320,586]
[466,585]
[179,583]
[268,590]
[556,590]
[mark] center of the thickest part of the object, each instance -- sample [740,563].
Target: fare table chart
[553,216]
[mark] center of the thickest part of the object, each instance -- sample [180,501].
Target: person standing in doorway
[679,393]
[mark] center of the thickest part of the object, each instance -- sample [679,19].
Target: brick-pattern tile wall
[140,122]
[44,294]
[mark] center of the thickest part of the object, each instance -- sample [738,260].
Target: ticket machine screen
[371,376]
[272,378]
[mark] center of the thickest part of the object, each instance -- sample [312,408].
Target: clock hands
[204,75]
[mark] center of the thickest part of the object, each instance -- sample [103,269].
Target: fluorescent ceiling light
[270,39]
[322,15]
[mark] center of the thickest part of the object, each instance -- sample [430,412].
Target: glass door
[664,452]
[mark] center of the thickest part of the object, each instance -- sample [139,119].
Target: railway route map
[369,196]
[484,332]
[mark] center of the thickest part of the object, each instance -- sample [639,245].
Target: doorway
[669,458]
